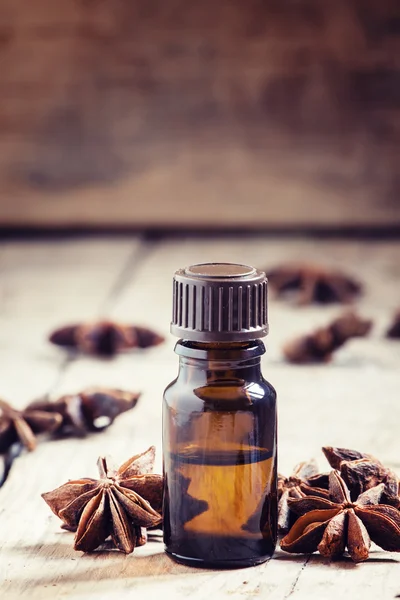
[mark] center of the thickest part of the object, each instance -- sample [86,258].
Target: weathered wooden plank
[45,284]
[252,114]
[351,402]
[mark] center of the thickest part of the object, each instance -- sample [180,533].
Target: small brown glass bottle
[219,422]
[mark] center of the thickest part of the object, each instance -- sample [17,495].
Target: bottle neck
[208,362]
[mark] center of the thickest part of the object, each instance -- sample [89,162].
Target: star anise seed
[332,525]
[319,345]
[298,485]
[120,504]
[313,284]
[104,338]
[24,425]
[92,409]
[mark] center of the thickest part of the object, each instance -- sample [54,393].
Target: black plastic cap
[219,302]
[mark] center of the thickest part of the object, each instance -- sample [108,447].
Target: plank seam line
[127,270]
[122,279]
[125,277]
[295,582]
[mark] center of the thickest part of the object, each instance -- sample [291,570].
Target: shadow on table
[57,565]
[344,562]
[66,565]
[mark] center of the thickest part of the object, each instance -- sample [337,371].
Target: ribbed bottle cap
[219,302]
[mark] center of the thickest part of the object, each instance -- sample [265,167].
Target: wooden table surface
[353,402]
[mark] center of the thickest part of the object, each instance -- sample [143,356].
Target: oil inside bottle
[226,499]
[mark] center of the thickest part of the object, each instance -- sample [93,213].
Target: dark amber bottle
[219,422]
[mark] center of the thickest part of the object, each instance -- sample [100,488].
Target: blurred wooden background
[176,113]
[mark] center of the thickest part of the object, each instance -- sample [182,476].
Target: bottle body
[219,446]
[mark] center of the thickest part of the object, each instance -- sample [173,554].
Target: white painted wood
[45,284]
[351,402]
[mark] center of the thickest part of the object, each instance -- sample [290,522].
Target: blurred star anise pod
[304,481]
[362,471]
[6,460]
[311,283]
[24,425]
[121,504]
[333,525]
[318,346]
[394,329]
[92,409]
[104,338]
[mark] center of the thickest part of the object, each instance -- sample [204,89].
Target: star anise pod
[363,471]
[121,504]
[312,283]
[319,345]
[333,525]
[24,425]
[304,481]
[394,329]
[104,338]
[92,409]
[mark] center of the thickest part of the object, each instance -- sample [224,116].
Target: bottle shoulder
[219,394]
